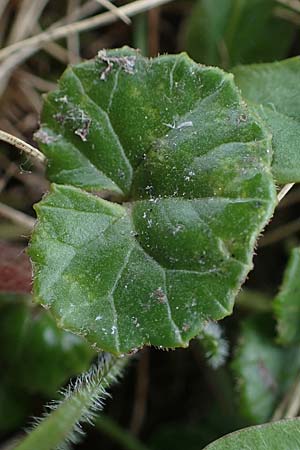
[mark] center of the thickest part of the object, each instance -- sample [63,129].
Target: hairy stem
[80,403]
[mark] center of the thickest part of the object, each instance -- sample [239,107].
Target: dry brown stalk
[17,216]
[27,16]
[284,191]
[58,52]
[111,7]
[52,34]
[3,4]
[293,4]
[23,146]
[73,42]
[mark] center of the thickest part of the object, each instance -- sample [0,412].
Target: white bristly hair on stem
[61,424]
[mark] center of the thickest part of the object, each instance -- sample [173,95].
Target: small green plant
[166,140]
[164,175]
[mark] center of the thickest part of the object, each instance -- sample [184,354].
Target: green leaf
[273,90]
[44,357]
[287,302]
[263,369]
[282,435]
[229,32]
[191,167]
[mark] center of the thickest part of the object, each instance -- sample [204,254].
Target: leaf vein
[108,120]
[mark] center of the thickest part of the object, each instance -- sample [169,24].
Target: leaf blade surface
[174,254]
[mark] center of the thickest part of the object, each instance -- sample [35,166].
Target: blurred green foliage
[36,357]
[229,32]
